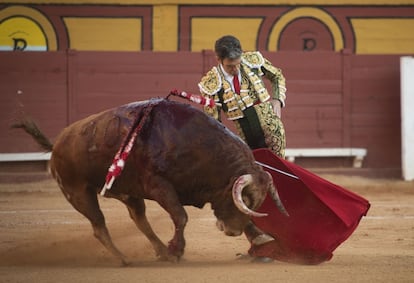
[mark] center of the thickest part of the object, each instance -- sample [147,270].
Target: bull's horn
[242,182]
[275,196]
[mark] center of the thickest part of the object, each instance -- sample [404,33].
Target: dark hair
[228,46]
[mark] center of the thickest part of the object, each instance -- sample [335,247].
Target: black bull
[180,157]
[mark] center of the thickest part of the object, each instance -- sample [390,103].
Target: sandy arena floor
[43,239]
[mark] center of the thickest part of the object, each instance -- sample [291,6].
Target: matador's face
[231,66]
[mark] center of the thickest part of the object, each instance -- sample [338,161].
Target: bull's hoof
[174,251]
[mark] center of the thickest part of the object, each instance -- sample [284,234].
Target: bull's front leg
[164,193]
[136,208]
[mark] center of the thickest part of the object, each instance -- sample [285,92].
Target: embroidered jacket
[252,88]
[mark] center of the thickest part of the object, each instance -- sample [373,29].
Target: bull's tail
[30,127]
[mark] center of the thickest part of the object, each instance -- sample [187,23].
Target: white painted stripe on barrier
[26,156]
[357,153]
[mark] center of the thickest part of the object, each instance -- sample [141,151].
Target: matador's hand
[277,107]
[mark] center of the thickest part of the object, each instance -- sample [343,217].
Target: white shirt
[229,77]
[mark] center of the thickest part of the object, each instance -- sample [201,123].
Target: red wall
[334,99]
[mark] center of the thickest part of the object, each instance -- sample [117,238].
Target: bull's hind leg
[86,202]
[136,208]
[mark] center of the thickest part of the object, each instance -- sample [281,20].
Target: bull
[180,157]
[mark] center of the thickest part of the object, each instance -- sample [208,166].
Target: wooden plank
[305,112]
[375,120]
[313,99]
[141,62]
[296,140]
[138,83]
[346,98]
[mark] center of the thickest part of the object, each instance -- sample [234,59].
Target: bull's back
[176,141]
[191,149]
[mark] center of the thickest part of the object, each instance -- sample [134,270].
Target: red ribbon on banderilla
[119,160]
[195,98]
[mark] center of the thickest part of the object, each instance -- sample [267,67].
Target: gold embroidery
[279,88]
[236,103]
[211,83]
[260,90]
[253,59]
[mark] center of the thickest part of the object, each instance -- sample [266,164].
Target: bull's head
[249,192]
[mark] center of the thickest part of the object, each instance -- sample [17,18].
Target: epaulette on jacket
[211,83]
[253,59]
